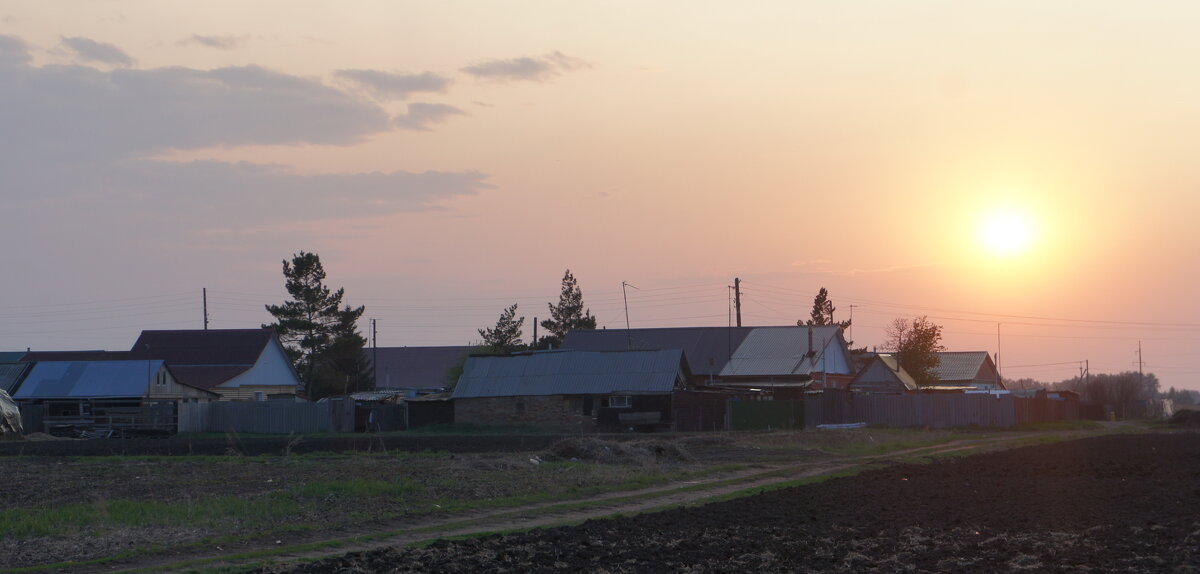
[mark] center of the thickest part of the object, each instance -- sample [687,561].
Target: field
[366,503]
[1122,503]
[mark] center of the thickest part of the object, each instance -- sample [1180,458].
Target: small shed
[571,390]
[883,374]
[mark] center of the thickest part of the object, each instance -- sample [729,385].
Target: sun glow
[1006,233]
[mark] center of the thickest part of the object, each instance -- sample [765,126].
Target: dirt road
[315,545]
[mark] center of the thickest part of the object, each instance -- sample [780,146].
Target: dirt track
[381,537]
[1121,503]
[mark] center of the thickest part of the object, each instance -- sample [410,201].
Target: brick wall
[554,411]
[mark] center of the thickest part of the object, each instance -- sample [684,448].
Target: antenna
[628,334]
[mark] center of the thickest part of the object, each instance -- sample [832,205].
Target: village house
[883,374]
[571,390]
[968,369]
[236,364]
[122,395]
[769,359]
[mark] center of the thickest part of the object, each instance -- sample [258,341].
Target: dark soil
[1108,504]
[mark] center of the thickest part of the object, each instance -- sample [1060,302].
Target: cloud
[420,116]
[78,139]
[218,42]
[388,85]
[77,113]
[13,51]
[90,50]
[533,69]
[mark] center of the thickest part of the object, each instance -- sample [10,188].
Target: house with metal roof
[760,357]
[968,369]
[792,355]
[570,389]
[416,369]
[12,371]
[883,375]
[707,349]
[117,395]
[236,364]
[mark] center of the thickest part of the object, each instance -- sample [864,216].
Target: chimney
[810,348]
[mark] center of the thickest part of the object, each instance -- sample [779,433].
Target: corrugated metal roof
[707,349]
[415,367]
[10,375]
[960,365]
[570,373]
[780,351]
[88,379]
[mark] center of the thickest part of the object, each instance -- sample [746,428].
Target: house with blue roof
[117,395]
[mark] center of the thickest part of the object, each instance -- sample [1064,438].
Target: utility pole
[628,334]
[999,371]
[204,302]
[737,299]
[850,335]
[375,353]
[1141,381]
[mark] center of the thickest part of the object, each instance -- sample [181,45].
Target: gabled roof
[204,358]
[961,365]
[707,349]
[415,367]
[782,351]
[881,370]
[566,372]
[88,379]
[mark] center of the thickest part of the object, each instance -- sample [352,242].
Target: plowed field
[1123,503]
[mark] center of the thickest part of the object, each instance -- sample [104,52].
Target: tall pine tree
[320,335]
[569,314]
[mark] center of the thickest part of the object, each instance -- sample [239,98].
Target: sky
[1023,174]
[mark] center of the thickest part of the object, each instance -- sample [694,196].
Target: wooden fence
[934,410]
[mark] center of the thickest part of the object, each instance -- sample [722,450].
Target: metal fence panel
[265,417]
[754,415]
[933,410]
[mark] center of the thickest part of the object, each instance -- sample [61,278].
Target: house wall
[246,392]
[272,369]
[551,411]
[164,386]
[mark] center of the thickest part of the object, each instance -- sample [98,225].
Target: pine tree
[320,336]
[822,312]
[568,315]
[505,337]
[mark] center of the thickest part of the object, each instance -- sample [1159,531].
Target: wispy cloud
[89,50]
[420,115]
[389,85]
[532,69]
[218,42]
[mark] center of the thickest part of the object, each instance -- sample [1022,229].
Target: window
[260,396]
[520,407]
[161,379]
[619,402]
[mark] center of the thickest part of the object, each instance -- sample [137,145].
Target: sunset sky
[1027,170]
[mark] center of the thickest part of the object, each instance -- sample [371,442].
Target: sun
[1006,233]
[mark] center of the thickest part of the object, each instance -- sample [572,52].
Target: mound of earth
[1186,418]
[1107,504]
